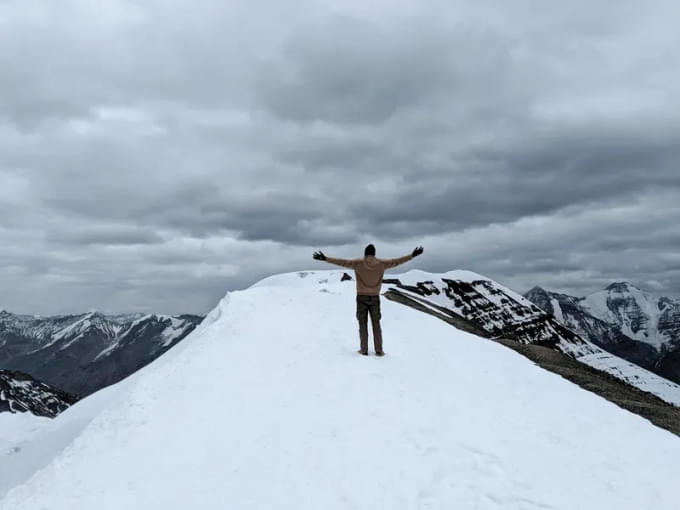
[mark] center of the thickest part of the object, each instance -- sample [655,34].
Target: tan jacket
[369,271]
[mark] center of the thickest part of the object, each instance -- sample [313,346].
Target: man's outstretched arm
[331,260]
[389,263]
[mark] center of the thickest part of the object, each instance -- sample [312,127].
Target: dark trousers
[366,305]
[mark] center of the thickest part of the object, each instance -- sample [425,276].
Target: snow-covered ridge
[282,413]
[500,311]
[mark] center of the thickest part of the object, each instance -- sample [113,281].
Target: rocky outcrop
[20,393]
[487,309]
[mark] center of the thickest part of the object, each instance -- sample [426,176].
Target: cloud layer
[154,155]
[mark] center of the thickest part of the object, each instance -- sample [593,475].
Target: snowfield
[267,405]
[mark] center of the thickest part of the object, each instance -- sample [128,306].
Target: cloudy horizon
[154,155]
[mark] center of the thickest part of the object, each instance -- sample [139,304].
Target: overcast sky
[155,154]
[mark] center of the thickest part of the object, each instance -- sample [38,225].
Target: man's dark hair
[370,250]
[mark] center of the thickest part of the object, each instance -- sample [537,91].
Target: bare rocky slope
[20,393]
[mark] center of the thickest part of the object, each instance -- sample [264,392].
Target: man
[368,273]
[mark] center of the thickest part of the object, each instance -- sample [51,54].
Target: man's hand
[417,251]
[318,255]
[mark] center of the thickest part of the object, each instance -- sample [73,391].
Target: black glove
[417,251]
[318,255]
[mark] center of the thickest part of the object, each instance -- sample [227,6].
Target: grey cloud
[292,218]
[531,179]
[153,155]
[374,73]
[115,235]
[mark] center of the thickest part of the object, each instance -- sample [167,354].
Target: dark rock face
[83,353]
[623,320]
[20,393]
[540,298]
[668,365]
[669,321]
[488,310]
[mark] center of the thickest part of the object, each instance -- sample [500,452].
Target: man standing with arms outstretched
[369,273]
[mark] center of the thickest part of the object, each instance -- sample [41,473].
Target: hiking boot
[381,353]
[363,353]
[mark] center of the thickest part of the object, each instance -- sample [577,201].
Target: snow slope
[267,405]
[29,442]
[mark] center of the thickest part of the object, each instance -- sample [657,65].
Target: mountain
[20,393]
[83,353]
[282,413]
[569,311]
[640,315]
[486,308]
[624,320]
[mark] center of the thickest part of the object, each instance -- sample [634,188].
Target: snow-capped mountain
[635,314]
[640,315]
[20,393]
[82,353]
[633,324]
[569,311]
[282,413]
[484,307]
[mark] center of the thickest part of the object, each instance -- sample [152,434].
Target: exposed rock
[21,393]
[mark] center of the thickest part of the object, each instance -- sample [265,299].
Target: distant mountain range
[82,353]
[20,393]
[631,323]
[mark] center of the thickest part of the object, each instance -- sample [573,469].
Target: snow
[108,350]
[596,304]
[302,279]
[414,276]
[267,405]
[650,307]
[634,375]
[28,442]
[78,328]
[557,310]
[17,427]
[176,328]
[115,344]
[17,430]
